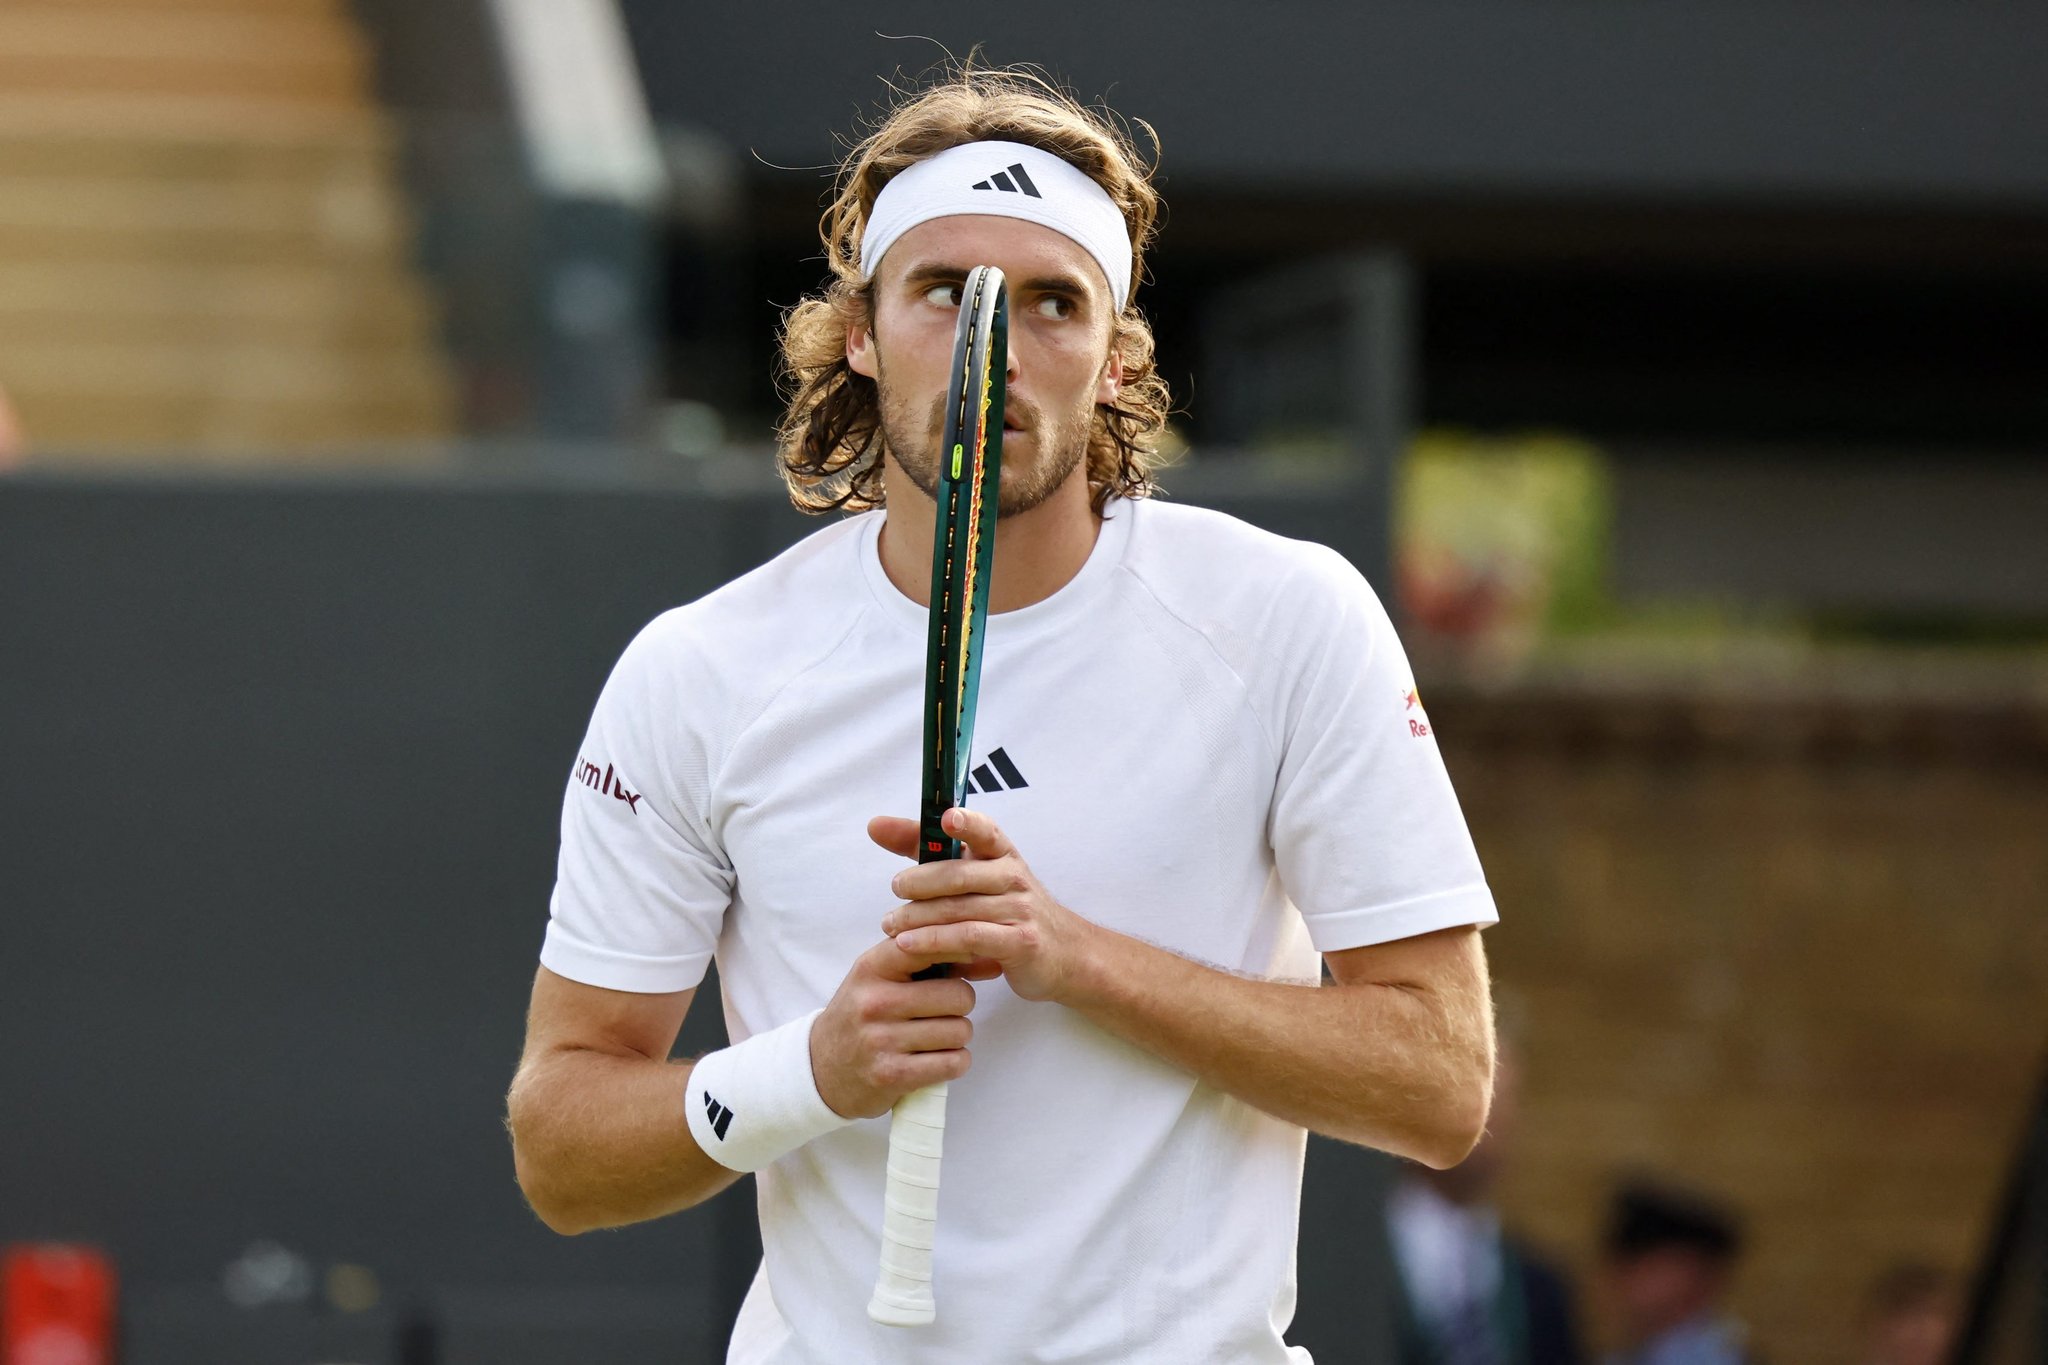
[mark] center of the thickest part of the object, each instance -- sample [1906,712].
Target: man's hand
[984,910]
[884,1035]
[1396,1053]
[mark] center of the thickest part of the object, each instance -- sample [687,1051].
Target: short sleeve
[641,887]
[1367,833]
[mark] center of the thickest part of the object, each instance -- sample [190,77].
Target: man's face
[1916,1334]
[1060,366]
[1653,1291]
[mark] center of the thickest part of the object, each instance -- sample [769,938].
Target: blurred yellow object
[353,1288]
[11,440]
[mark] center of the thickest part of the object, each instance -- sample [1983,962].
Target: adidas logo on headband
[1011,181]
[1028,183]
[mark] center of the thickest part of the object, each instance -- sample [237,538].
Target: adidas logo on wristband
[721,1117]
[769,1076]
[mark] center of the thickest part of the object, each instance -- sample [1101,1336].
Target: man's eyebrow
[1053,284]
[934,272]
[941,272]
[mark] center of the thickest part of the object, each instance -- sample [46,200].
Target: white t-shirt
[1209,739]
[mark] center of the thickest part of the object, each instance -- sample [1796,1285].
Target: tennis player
[1201,767]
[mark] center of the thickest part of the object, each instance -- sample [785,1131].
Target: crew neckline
[1072,597]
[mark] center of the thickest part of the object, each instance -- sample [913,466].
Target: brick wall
[1790,948]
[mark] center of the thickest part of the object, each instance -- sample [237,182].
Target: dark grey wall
[277,826]
[1891,99]
[280,771]
[1926,534]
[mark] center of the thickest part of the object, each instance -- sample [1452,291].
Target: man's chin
[922,473]
[1016,497]
[1022,486]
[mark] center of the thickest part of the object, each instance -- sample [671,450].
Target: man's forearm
[1397,1055]
[601,1140]
[1387,1064]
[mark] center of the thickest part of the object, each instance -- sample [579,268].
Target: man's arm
[599,1137]
[1397,1054]
[599,1134]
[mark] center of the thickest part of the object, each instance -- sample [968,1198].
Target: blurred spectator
[1471,1293]
[12,446]
[1670,1256]
[1910,1317]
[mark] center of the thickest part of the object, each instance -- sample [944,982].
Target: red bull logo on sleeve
[1418,723]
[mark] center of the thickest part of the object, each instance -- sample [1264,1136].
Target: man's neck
[1037,552]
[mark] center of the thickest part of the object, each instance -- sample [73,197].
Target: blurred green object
[1502,541]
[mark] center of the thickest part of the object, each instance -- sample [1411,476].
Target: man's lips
[1018,416]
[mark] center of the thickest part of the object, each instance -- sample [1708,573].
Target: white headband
[1009,180]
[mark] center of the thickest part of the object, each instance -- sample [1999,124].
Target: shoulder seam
[767,703]
[1244,691]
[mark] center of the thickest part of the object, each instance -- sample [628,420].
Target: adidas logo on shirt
[721,1117]
[985,776]
[1012,181]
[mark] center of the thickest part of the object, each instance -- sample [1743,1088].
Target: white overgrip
[910,1210]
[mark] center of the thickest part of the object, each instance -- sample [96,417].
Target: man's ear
[1112,382]
[860,349]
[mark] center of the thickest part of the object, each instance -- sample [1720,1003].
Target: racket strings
[964,510]
[944,762]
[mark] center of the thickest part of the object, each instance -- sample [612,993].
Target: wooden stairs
[204,249]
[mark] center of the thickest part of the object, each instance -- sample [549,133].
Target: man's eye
[1054,306]
[943,295]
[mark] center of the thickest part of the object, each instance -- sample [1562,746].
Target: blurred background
[1678,372]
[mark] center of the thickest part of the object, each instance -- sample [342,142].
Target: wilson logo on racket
[604,780]
[1012,181]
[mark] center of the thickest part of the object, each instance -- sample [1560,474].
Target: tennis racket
[963,551]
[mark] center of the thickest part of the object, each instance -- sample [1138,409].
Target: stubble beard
[913,443]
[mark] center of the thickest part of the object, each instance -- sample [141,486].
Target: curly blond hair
[831,439]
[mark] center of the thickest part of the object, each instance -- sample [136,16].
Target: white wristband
[755,1101]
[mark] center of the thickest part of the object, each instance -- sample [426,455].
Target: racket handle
[910,1210]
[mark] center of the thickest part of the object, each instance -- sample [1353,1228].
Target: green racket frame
[963,552]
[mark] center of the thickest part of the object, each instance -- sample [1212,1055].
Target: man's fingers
[995,908]
[958,877]
[984,839]
[975,829]
[884,1035]
[938,998]
[894,833]
[909,998]
[966,941]
[988,871]
[892,963]
[942,1034]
